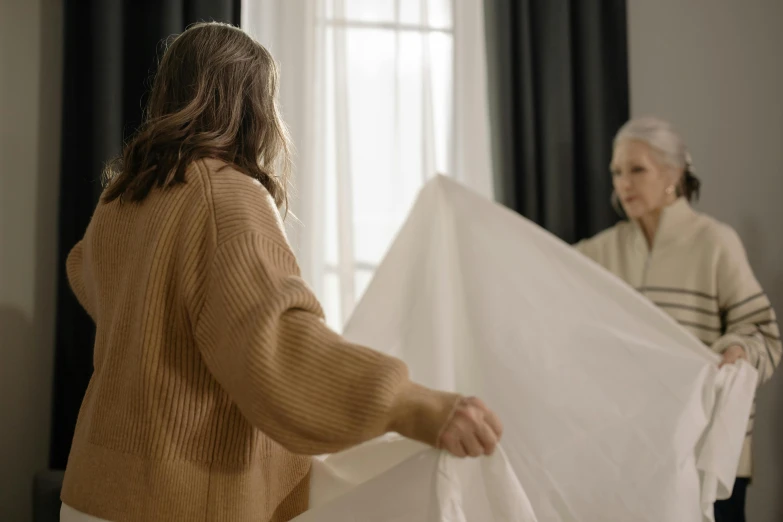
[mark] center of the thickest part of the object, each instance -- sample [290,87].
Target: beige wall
[715,68]
[30,70]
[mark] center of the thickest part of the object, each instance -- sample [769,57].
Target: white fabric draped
[613,411]
[398,480]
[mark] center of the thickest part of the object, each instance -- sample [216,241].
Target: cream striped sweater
[698,272]
[213,368]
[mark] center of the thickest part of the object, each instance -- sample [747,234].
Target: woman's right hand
[472,431]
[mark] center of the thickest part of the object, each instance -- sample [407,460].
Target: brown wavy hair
[214,96]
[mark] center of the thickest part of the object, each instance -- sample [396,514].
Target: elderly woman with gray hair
[689,264]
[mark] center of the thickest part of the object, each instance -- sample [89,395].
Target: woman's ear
[677,180]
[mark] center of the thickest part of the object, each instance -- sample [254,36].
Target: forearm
[314,393]
[261,334]
[748,317]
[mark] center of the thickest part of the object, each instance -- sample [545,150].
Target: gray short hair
[661,136]
[670,147]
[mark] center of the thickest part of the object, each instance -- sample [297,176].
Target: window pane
[439,13]
[410,11]
[371,80]
[398,87]
[362,280]
[331,301]
[369,10]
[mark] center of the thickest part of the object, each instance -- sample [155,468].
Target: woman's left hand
[733,354]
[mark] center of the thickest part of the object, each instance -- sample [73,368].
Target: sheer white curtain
[380,96]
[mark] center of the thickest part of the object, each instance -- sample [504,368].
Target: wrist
[420,413]
[723,344]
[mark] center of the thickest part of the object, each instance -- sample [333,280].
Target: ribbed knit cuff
[729,340]
[420,413]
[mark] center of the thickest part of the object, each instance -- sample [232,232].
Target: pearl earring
[670,190]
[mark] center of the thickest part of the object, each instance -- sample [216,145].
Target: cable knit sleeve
[747,315]
[262,336]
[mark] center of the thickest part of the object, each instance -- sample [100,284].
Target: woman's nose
[622,181]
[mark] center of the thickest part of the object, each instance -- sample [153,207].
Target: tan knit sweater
[213,367]
[697,271]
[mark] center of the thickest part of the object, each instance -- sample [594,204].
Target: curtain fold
[558,90]
[110,54]
[471,148]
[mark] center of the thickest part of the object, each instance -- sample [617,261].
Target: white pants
[68,514]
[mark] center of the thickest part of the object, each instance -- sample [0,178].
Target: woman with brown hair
[214,374]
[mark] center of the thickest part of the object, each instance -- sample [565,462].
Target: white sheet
[393,479]
[612,410]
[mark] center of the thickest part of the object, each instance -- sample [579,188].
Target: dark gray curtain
[110,52]
[558,87]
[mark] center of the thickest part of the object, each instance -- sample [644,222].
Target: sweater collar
[673,218]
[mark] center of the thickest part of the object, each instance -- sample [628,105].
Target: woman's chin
[634,211]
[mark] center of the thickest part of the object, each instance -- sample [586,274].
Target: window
[380,95]
[388,98]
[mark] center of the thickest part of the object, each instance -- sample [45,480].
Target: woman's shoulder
[238,202]
[230,190]
[602,245]
[606,237]
[225,180]
[717,235]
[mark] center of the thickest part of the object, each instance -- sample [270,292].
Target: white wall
[30,71]
[715,69]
